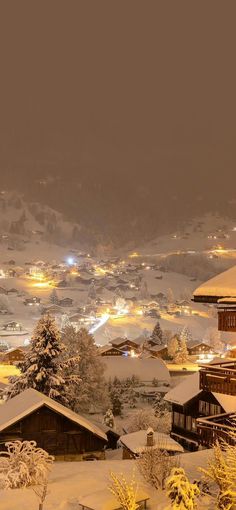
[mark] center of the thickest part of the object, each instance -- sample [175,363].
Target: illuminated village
[117,255]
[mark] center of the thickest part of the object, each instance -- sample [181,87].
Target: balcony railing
[227,320]
[219,378]
[216,427]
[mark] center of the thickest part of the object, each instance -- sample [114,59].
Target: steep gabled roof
[222,285]
[30,400]
[190,388]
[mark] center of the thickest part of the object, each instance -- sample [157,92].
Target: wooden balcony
[216,427]
[227,320]
[220,378]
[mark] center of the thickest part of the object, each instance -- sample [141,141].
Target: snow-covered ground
[72,481]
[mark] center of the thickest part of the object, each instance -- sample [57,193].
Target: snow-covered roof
[190,388]
[29,400]
[185,391]
[136,442]
[222,285]
[103,500]
[144,368]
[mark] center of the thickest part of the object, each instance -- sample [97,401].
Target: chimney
[150,437]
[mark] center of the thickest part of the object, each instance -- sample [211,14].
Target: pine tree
[92,389]
[116,402]
[42,368]
[157,335]
[108,419]
[54,297]
[181,492]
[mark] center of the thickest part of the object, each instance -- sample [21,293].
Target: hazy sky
[123,87]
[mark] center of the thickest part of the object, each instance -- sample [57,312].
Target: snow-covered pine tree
[173,346]
[54,299]
[109,419]
[157,335]
[181,492]
[116,402]
[92,389]
[65,321]
[43,368]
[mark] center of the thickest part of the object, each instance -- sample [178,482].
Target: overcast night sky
[131,101]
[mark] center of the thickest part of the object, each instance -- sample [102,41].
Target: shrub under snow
[23,465]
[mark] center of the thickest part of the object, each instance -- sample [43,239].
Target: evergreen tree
[116,402]
[54,297]
[42,368]
[108,419]
[157,335]
[92,388]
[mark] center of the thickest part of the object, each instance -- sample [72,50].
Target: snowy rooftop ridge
[30,400]
[190,388]
[222,285]
[136,442]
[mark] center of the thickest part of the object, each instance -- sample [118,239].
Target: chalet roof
[144,368]
[222,285]
[119,340]
[196,343]
[136,442]
[157,348]
[106,348]
[29,400]
[190,388]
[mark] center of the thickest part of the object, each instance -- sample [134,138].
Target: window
[215,409]
[204,408]
[188,422]
[178,419]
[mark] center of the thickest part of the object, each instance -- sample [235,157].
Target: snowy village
[117,255]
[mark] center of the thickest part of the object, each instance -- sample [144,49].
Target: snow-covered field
[70,482]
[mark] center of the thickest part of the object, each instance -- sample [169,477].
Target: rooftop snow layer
[126,366]
[136,442]
[222,285]
[190,388]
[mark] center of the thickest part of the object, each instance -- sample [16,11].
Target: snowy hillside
[34,228]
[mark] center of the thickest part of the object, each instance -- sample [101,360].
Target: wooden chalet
[221,290]
[157,351]
[55,428]
[109,350]
[12,356]
[135,443]
[200,396]
[196,347]
[67,301]
[32,301]
[125,345]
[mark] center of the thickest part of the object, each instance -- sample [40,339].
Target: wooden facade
[220,378]
[184,419]
[13,356]
[227,319]
[198,348]
[56,434]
